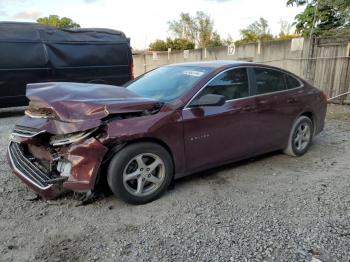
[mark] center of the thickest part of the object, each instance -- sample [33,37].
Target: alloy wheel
[302,136]
[144,174]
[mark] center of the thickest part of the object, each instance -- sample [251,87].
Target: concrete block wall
[275,53]
[327,66]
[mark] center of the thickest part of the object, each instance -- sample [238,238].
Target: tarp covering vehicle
[32,53]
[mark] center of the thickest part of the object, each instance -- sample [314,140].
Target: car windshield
[169,82]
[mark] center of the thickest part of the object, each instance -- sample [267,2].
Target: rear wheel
[140,172]
[300,137]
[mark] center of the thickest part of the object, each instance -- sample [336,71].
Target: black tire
[292,149]
[119,163]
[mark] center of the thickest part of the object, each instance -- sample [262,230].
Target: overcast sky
[146,20]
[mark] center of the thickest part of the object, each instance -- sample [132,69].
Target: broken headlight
[64,167]
[35,111]
[65,139]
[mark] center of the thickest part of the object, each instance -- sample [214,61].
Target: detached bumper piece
[34,175]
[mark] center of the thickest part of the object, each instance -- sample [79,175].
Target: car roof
[224,64]
[213,63]
[217,63]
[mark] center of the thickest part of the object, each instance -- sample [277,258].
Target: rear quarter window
[292,82]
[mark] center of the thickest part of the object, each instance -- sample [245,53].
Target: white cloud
[2,12]
[27,15]
[144,21]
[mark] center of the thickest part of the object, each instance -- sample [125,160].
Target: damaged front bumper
[47,170]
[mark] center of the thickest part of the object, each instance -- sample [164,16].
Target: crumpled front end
[56,145]
[48,164]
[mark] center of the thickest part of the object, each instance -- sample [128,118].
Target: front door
[217,134]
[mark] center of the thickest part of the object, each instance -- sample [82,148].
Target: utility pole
[311,43]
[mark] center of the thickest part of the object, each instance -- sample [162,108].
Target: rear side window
[268,80]
[231,84]
[292,82]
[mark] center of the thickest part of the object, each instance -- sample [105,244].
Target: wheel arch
[101,179]
[116,148]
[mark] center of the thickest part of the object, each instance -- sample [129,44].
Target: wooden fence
[330,65]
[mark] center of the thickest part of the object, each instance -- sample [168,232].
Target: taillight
[132,71]
[324,95]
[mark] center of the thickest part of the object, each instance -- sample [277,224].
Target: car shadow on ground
[216,170]
[105,194]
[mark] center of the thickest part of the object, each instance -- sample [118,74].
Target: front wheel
[300,137]
[140,172]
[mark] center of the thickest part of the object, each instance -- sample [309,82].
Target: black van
[31,53]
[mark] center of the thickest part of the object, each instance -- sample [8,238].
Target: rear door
[217,134]
[277,106]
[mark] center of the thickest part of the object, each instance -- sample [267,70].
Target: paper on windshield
[193,73]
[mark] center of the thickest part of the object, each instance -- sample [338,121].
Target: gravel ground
[273,208]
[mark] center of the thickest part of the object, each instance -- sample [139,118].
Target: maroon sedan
[168,123]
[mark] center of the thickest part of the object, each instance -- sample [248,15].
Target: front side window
[232,84]
[268,80]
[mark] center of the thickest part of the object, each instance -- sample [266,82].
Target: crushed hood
[76,102]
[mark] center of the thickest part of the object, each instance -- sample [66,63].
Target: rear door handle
[248,108]
[291,100]
[263,102]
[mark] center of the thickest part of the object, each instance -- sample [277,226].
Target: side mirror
[209,100]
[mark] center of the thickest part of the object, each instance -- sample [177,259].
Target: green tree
[198,29]
[286,28]
[227,41]
[55,20]
[205,27]
[158,45]
[285,31]
[260,27]
[215,41]
[322,17]
[259,30]
[185,27]
[174,44]
[180,44]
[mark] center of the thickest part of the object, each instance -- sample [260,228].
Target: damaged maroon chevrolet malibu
[168,123]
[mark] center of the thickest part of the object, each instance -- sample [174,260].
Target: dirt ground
[272,208]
